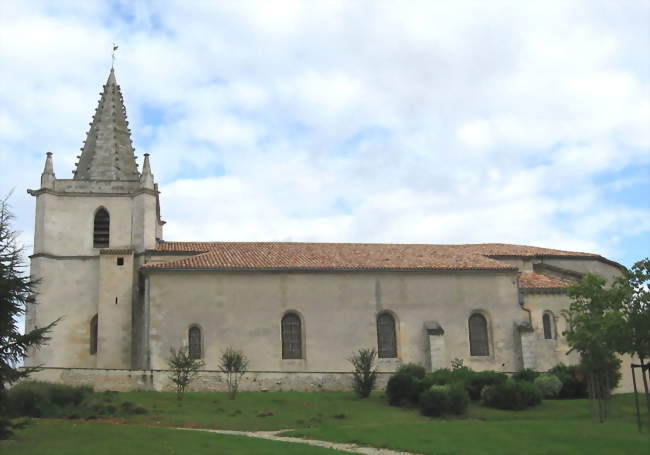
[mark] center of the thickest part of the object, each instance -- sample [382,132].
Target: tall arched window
[93,335]
[194,342]
[291,336]
[478,335]
[101,229]
[386,340]
[547,322]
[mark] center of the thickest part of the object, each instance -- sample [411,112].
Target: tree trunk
[645,386]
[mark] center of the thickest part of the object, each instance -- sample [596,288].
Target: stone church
[298,311]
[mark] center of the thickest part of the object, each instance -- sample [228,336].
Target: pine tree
[17,290]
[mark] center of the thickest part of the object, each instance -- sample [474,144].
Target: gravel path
[274,436]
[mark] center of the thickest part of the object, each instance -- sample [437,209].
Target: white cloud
[367,121]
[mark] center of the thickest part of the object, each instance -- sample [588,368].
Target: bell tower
[90,236]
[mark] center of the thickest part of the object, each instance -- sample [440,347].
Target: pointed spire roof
[108,152]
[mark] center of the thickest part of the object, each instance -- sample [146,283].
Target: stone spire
[146,179]
[48,177]
[107,153]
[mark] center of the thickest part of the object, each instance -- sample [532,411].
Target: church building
[298,311]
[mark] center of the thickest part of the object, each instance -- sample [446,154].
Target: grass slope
[555,427]
[94,438]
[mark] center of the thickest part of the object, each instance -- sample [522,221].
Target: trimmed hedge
[412,369]
[434,402]
[549,385]
[527,374]
[443,399]
[574,384]
[512,395]
[403,390]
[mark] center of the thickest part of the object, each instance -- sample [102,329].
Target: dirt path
[274,436]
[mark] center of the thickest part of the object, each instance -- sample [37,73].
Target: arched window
[386,340]
[478,335]
[93,335]
[194,342]
[547,322]
[101,229]
[291,336]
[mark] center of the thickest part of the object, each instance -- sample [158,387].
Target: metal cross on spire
[115,46]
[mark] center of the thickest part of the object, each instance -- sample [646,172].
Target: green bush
[549,385]
[435,401]
[476,381]
[403,390]
[511,394]
[42,399]
[458,399]
[443,376]
[412,369]
[527,374]
[574,384]
[473,381]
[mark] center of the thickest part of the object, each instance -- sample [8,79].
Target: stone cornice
[90,194]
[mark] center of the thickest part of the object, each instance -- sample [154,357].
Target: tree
[636,312]
[183,369]
[596,329]
[17,290]
[233,364]
[365,373]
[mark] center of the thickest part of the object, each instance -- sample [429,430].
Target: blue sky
[372,121]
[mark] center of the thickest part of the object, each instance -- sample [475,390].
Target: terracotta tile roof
[343,256]
[537,281]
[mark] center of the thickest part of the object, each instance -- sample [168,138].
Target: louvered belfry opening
[546,322]
[291,336]
[194,342]
[478,335]
[93,335]
[101,229]
[386,340]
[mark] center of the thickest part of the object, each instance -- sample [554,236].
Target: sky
[350,121]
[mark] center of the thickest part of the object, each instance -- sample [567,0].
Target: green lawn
[555,427]
[46,437]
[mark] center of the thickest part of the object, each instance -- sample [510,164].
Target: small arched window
[93,335]
[101,229]
[194,342]
[547,322]
[291,336]
[478,335]
[386,339]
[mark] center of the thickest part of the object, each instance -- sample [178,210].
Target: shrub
[549,385]
[24,401]
[574,384]
[42,399]
[365,373]
[458,399]
[527,374]
[234,365]
[412,369]
[476,381]
[438,377]
[435,401]
[183,369]
[511,394]
[402,390]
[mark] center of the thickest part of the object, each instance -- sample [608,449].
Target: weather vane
[113,55]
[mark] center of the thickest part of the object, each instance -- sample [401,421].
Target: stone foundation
[206,381]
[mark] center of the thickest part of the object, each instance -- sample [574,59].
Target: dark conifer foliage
[17,290]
